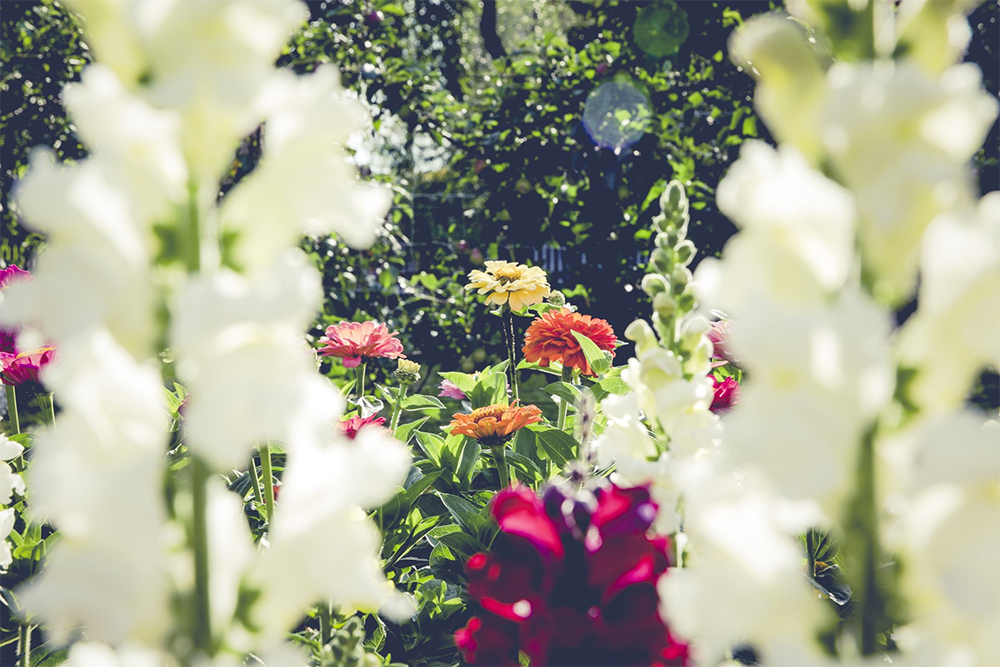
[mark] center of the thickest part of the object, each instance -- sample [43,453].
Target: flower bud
[680,278]
[662,260]
[556,298]
[684,252]
[664,304]
[653,284]
[640,333]
[407,372]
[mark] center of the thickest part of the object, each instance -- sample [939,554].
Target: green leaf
[467,461]
[432,446]
[557,445]
[422,402]
[465,513]
[534,366]
[405,431]
[609,385]
[595,357]
[490,389]
[463,381]
[563,390]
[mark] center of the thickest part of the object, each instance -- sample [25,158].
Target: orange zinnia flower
[550,338]
[495,424]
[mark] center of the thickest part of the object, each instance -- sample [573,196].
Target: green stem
[324,624]
[202,631]
[863,541]
[359,384]
[256,482]
[52,408]
[15,422]
[24,645]
[511,346]
[500,456]
[397,409]
[191,238]
[265,462]
[567,375]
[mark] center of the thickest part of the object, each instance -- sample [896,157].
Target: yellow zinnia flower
[511,282]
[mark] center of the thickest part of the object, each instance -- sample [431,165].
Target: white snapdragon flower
[7,519]
[774,191]
[94,273]
[242,358]
[10,481]
[948,536]
[304,183]
[323,546]
[657,377]
[209,61]
[955,332]
[742,583]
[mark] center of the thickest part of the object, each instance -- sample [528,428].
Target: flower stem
[508,331]
[324,624]
[255,478]
[265,462]
[863,540]
[24,644]
[52,408]
[397,409]
[500,456]
[567,376]
[359,385]
[15,423]
[202,631]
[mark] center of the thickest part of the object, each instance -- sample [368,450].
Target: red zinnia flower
[571,581]
[727,394]
[17,369]
[351,426]
[550,338]
[353,340]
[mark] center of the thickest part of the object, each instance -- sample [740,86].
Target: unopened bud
[684,252]
[664,304]
[407,372]
[662,260]
[680,278]
[556,298]
[653,284]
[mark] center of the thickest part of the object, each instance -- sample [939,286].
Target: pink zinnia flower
[351,426]
[727,394]
[17,369]
[353,340]
[450,390]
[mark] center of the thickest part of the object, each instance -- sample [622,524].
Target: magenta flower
[16,369]
[727,394]
[354,341]
[450,390]
[571,580]
[9,276]
[351,426]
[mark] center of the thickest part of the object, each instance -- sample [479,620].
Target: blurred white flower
[322,545]
[94,272]
[956,330]
[304,183]
[241,355]
[10,481]
[777,193]
[6,526]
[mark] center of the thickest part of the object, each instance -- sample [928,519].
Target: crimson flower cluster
[571,581]
[19,366]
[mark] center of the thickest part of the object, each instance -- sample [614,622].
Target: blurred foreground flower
[8,335]
[571,581]
[550,339]
[354,341]
[510,283]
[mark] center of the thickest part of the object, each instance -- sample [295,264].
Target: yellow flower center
[508,274]
[494,411]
